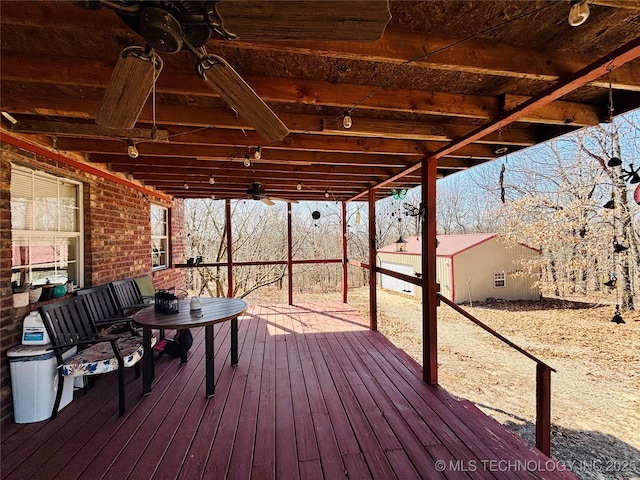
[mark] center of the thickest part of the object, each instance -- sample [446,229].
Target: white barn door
[396,284]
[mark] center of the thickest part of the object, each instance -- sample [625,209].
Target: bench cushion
[99,358]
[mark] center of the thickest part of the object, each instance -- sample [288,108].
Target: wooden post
[227,219]
[430,287]
[289,254]
[373,299]
[345,267]
[543,409]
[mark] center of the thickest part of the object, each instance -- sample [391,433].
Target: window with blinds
[46,228]
[159,237]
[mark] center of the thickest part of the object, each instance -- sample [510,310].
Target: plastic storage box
[34,382]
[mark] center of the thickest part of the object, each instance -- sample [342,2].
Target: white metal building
[471,267]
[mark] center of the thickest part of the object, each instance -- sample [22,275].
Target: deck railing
[543,382]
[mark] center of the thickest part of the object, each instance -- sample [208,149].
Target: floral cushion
[99,358]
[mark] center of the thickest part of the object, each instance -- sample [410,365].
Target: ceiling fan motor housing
[256,191]
[166,25]
[161,30]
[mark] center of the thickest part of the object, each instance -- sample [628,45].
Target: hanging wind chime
[614,162]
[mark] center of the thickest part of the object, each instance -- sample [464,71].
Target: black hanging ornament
[617,247]
[617,318]
[614,162]
[613,279]
[631,175]
[502,191]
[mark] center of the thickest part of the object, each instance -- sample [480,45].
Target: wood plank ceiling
[456,80]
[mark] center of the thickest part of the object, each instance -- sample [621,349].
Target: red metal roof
[449,244]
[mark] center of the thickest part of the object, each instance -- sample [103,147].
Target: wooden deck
[315,395]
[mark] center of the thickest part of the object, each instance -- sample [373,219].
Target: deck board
[315,395]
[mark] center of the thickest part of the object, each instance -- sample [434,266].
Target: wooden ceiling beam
[244,144]
[218,169]
[440,132]
[396,47]
[310,124]
[229,153]
[85,130]
[73,71]
[558,112]
[473,56]
[270,157]
[91,73]
[620,56]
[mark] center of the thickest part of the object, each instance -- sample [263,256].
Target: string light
[326,193]
[299,186]
[258,153]
[132,150]
[186,186]
[130,176]
[578,12]
[347,121]
[247,160]
[211,179]
[500,149]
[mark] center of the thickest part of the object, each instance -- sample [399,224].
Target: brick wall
[117,243]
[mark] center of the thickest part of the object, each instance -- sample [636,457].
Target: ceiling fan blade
[363,20]
[221,77]
[127,92]
[283,200]
[267,201]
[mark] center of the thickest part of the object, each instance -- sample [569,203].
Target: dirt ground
[595,391]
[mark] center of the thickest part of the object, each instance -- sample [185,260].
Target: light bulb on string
[578,12]
[186,186]
[326,193]
[258,153]
[500,148]
[347,121]
[299,186]
[130,176]
[211,179]
[247,160]
[132,150]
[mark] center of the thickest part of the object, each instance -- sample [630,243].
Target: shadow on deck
[315,395]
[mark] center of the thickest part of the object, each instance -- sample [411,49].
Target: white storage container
[34,382]
[33,330]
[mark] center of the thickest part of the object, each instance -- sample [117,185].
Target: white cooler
[34,382]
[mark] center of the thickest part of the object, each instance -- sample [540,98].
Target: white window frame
[160,259]
[499,279]
[32,237]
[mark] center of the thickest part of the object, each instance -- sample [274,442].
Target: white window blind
[46,228]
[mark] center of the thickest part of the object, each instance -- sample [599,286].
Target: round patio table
[214,310]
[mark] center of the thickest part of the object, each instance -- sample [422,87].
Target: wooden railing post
[543,409]
[543,381]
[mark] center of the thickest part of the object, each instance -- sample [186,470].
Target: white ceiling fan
[257,192]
